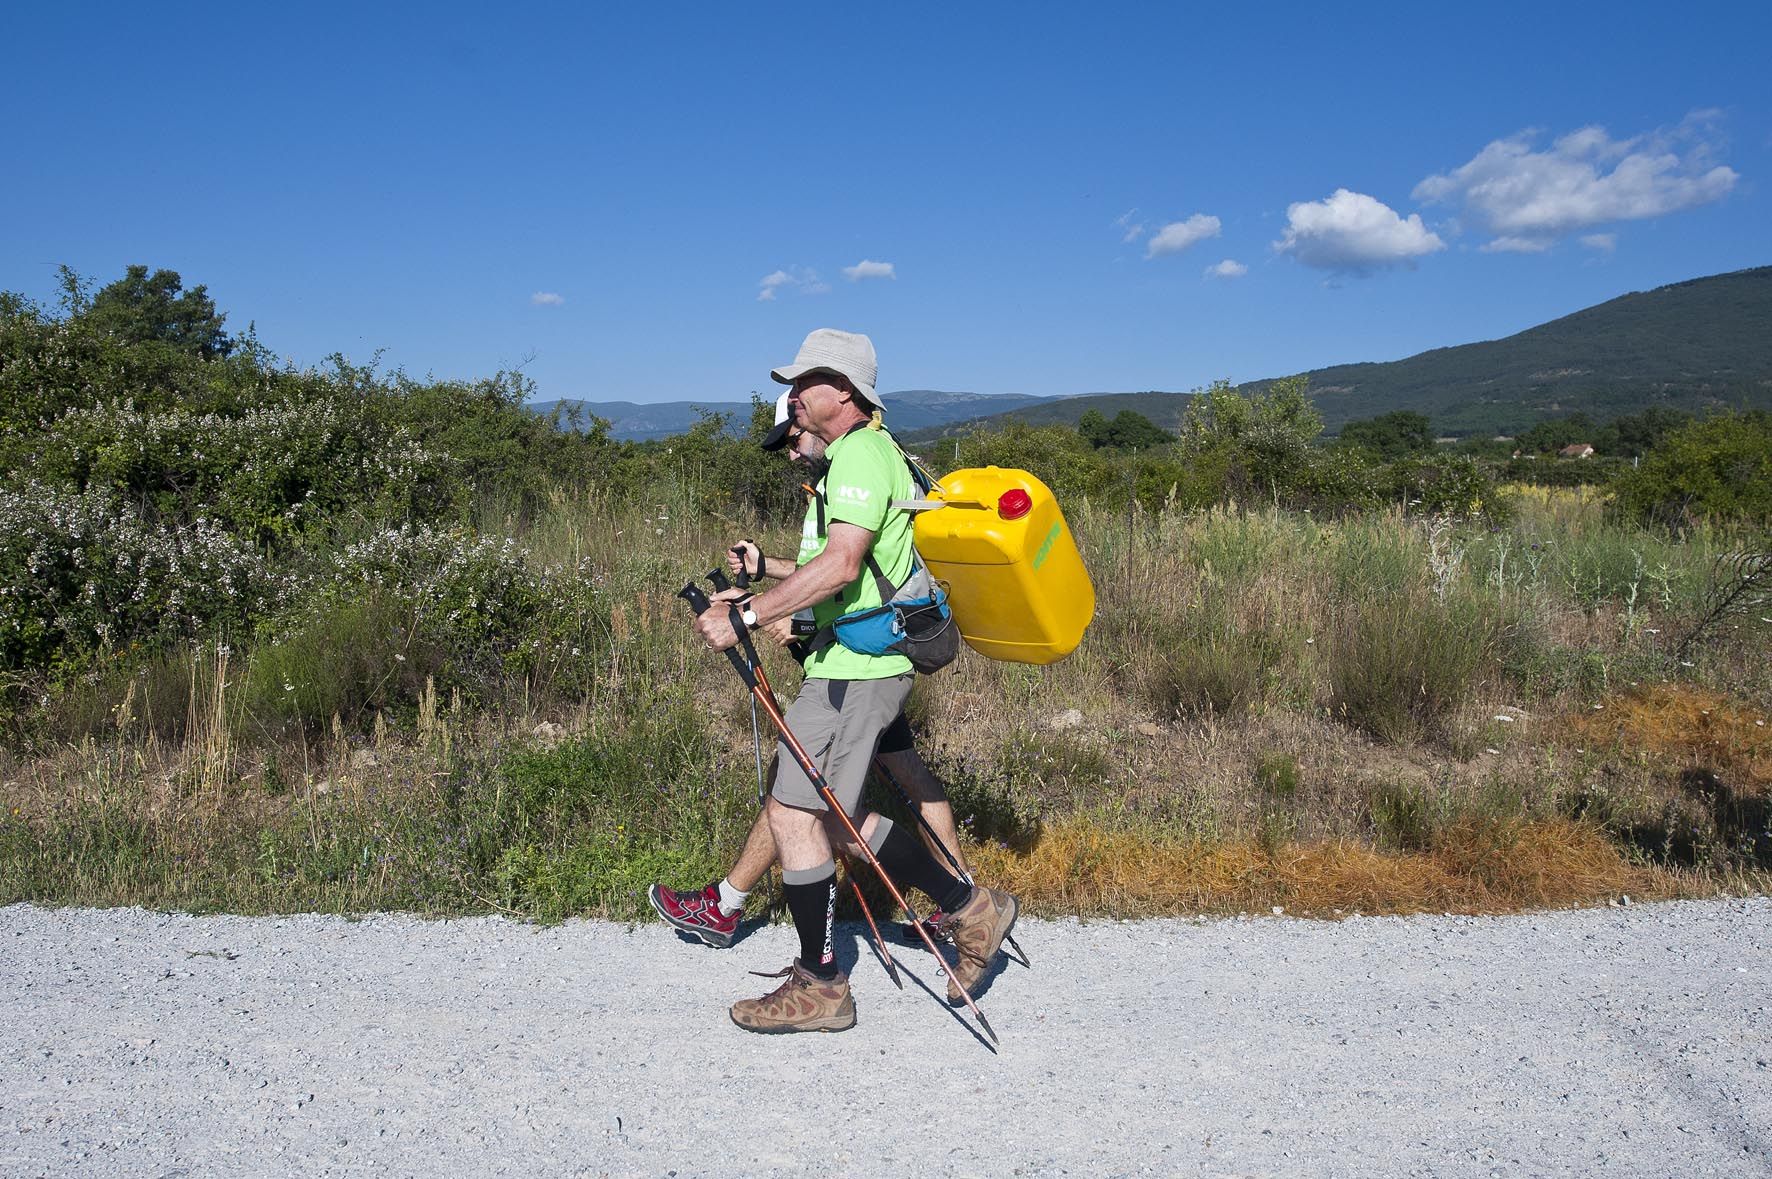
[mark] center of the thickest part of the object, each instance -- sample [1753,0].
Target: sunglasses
[813,379]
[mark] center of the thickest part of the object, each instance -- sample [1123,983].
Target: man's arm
[751,559]
[820,578]
[846,547]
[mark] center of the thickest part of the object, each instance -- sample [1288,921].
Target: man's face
[816,399]
[804,446]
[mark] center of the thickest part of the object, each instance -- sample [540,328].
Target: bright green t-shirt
[866,473]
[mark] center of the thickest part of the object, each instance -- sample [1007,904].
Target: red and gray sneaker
[935,925]
[696,913]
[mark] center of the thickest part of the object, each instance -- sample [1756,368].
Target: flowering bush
[463,591]
[265,473]
[80,573]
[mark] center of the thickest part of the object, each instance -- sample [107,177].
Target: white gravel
[1619,1041]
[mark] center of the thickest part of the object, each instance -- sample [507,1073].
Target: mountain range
[907,410]
[1698,345]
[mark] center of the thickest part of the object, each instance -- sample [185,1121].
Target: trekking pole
[718,577]
[764,688]
[953,862]
[873,929]
[698,603]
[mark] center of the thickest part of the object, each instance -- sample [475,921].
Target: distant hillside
[907,410]
[1696,345]
[1164,409]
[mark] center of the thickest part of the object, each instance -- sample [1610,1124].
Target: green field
[279,640]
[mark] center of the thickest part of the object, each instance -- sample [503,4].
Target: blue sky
[658,205]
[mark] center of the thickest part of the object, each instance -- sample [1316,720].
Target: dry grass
[1687,726]
[1077,867]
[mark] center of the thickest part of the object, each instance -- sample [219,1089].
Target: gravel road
[1621,1041]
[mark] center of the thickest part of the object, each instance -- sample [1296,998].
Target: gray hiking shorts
[837,723]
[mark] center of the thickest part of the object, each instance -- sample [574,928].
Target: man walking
[847,697]
[712,913]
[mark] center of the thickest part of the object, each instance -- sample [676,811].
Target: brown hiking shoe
[804,1003]
[979,929]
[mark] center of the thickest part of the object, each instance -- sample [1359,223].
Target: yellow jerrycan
[1016,582]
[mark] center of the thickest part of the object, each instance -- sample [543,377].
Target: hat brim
[778,435]
[787,374]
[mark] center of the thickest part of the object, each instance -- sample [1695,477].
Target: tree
[1552,435]
[142,307]
[1129,430]
[1392,435]
[1637,434]
[1266,434]
[1092,427]
[1279,420]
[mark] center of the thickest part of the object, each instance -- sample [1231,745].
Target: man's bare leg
[755,858]
[804,839]
[912,774]
[712,913]
[753,863]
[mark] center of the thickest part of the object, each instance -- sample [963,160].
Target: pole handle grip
[698,601]
[698,605]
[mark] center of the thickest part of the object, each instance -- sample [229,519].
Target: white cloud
[547,299]
[1516,245]
[1529,199]
[795,278]
[1177,236]
[1603,242]
[771,282]
[1229,268]
[1131,230]
[867,269]
[1352,232]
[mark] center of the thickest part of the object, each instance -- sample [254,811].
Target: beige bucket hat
[849,354]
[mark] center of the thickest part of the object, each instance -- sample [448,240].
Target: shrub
[585,827]
[1276,775]
[1399,665]
[1455,486]
[341,657]
[1403,817]
[1716,469]
[997,801]
[1213,669]
[1333,482]
[408,604]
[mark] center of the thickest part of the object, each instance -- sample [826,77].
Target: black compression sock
[911,865]
[812,904]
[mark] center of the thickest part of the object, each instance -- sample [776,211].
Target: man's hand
[745,557]
[781,630]
[715,623]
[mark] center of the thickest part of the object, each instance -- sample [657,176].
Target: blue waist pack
[914,622]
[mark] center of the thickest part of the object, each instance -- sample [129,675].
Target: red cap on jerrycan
[1014,504]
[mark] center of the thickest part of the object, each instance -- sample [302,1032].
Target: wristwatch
[749,616]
